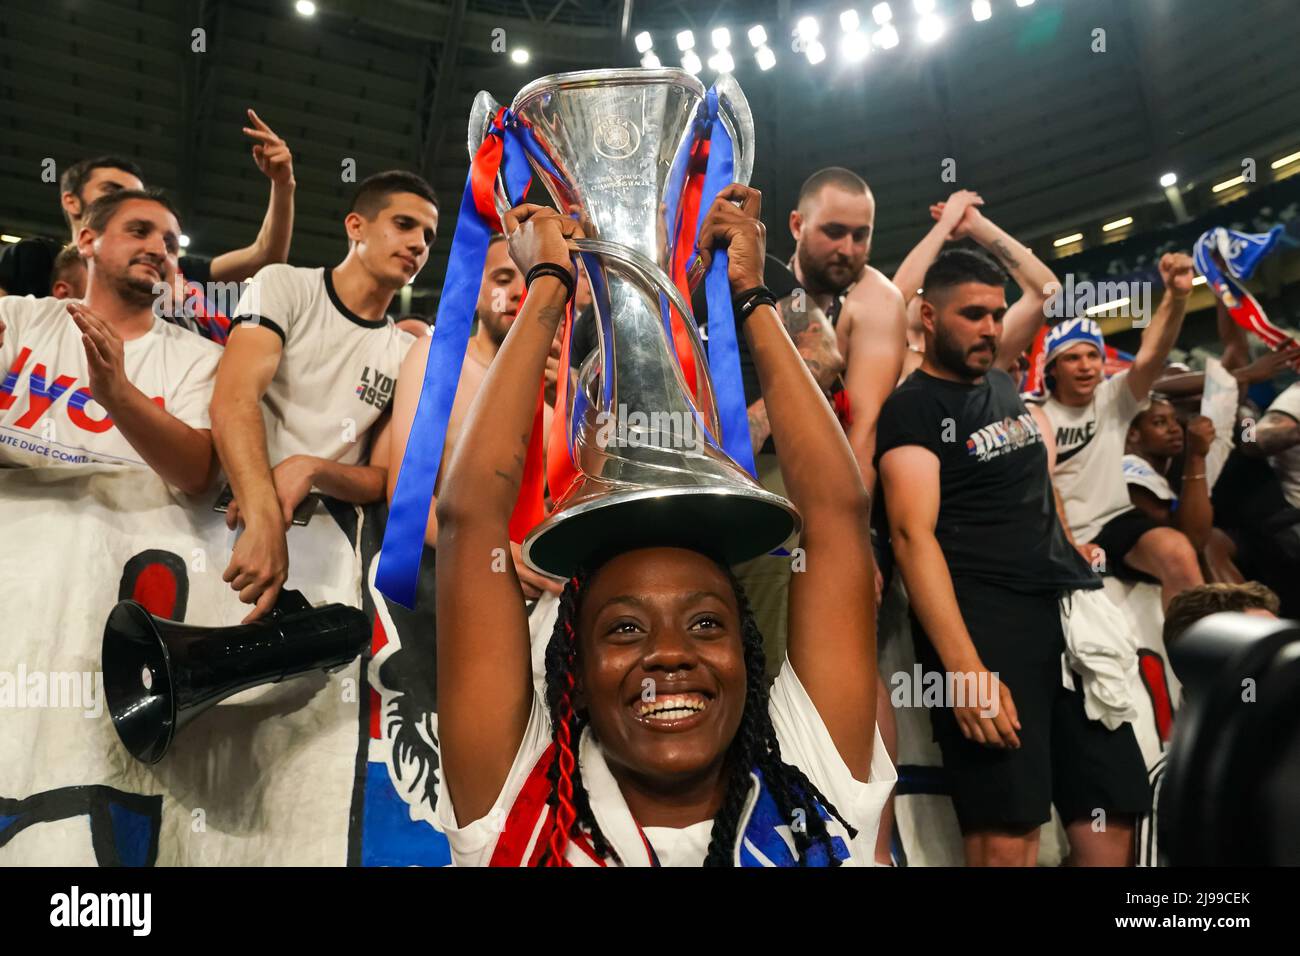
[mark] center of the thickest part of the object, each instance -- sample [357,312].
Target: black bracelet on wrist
[744,303]
[563,273]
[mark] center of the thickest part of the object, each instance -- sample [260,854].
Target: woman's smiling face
[661,663]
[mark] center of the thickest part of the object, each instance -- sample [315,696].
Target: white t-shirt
[1138,471]
[805,743]
[1287,463]
[1089,454]
[48,416]
[337,372]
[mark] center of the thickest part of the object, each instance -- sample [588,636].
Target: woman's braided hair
[754,747]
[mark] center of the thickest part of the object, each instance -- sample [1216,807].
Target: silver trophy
[651,467]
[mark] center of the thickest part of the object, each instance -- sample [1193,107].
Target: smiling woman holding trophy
[658,743]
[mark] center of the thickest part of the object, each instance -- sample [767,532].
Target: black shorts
[1064,758]
[1118,537]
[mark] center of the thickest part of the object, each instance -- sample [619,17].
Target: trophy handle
[481,114]
[739,120]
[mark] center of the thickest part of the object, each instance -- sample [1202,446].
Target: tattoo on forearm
[795,320]
[1003,252]
[759,428]
[550,315]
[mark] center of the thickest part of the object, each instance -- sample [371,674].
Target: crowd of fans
[1002,512]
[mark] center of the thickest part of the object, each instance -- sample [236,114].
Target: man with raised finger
[992,579]
[103,379]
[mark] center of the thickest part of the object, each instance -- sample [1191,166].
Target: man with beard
[498,302]
[103,379]
[1085,420]
[308,375]
[27,267]
[832,228]
[987,567]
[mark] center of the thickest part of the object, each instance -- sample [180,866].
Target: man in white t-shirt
[1085,419]
[104,379]
[1277,435]
[307,377]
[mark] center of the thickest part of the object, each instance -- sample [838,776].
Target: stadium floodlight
[1067,240]
[1227,184]
[650,61]
[923,7]
[184,240]
[1168,179]
[886,37]
[644,41]
[929,29]
[757,36]
[855,46]
[981,10]
[721,62]
[815,52]
[691,63]
[1117,224]
[305,8]
[519,55]
[765,57]
[686,41]
[881,14]
[849,21]
[1286,160]
[1024,3]
[807,29]
[721,38]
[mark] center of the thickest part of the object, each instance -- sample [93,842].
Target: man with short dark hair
[308,375]
[990,575]
[26,267]
[499,298]
[68,277]
[104,380]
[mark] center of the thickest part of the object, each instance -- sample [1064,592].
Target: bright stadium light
[765,57]
[1105,306]
[305,8]
[757,36]
[1286,160]
[721,38]
[923,7]
[815,52]
[1067,240]
[1227,184]
[1117,224]
[929,29]
[1168,179]
[184,240]
[881,14]
[691,63]
[1024,3]
[855,46]
[644,41]
[807,29]
[886,37]
[650,61]
[849,21]
[686,41]
[5,237]
[721,62]
[981,10]
[519,56]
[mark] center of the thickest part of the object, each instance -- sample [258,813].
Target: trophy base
[731,525]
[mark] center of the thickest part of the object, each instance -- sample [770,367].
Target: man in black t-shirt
[986,563]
